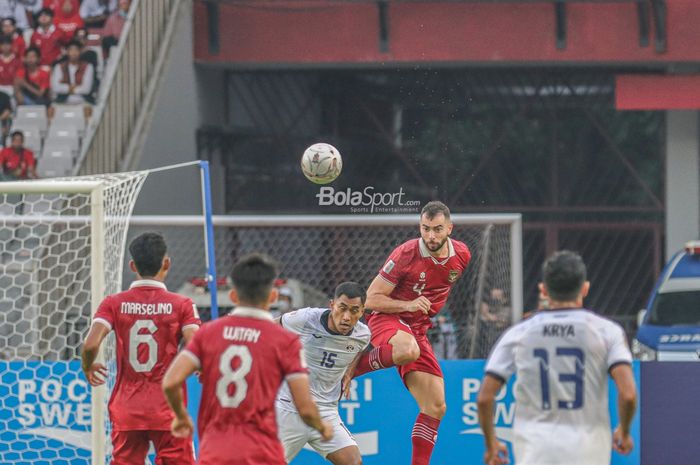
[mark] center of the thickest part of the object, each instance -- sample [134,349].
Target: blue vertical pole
[209,249]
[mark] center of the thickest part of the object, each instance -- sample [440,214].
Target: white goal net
[61,250]
[318,252]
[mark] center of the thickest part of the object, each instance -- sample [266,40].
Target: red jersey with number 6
[244,358]
[148,322]
[414,272]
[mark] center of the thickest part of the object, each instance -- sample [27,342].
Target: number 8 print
[237,376]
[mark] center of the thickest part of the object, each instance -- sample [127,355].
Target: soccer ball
[321,163]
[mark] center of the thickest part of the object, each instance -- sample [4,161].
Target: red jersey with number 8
[148,322]
[244,358]
[414,273]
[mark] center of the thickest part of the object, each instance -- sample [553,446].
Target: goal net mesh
[320,257]
[45,311]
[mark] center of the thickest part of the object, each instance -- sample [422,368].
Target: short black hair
[32,49]
[10,19]
[45,11]
[80,29]
[5,40]
[563,275]
[74,43]
[147,251]
[17,133]
[351,290]
[253,277]
[434,208]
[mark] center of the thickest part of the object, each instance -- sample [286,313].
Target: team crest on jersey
[453,275]
[389,266]
[422,275]
[350,348]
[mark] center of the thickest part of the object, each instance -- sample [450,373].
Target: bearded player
[149,323]
[412,286]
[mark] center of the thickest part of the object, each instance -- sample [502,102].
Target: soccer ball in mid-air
[321,163]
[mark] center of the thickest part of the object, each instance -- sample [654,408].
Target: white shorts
[294,434]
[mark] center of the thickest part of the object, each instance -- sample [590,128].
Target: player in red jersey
[412,286]
[243,358]
[149,323]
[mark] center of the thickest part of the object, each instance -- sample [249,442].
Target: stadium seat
[32,115]
[70,115]
[61,133]
[58,149]
[51,167]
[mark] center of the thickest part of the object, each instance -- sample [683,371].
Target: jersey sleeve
[105,314]
[189,315]
[194,348]
[296,320]
[618,351]
[394,268]
[501,362]
[293,359]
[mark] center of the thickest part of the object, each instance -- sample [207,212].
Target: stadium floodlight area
[62,244]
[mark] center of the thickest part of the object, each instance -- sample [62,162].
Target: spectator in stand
[72,79]
[96,12]
[8,27]
[12,9]
[33,80]
[48,38]
[67,14]
[114,25]
[9,65]
[81,36]
[16,161]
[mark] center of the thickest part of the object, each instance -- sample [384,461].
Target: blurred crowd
[51,52]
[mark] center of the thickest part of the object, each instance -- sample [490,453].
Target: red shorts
[131,448]
[385,325]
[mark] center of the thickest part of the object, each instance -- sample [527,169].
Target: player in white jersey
[561,357]
[332,339]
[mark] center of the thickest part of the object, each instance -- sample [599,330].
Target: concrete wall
[682,179]
[171,136]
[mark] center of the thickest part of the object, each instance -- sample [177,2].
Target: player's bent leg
[429,392]
[292,432]
[129,447]
[346,456]
[171,450]
[393,344]
[342,449]
[405,349]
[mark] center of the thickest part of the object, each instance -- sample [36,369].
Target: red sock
[423,438]
[376,359]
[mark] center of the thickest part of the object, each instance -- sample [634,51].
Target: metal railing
[118,127]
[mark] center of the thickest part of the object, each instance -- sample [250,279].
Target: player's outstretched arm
[378,299]
[626,406]
[496,451]
[95,373]
[301,396]
[182,367]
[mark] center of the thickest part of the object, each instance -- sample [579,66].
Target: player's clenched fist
[421,304]
[622,442]
[95,374]
[497,454]
[182,427]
